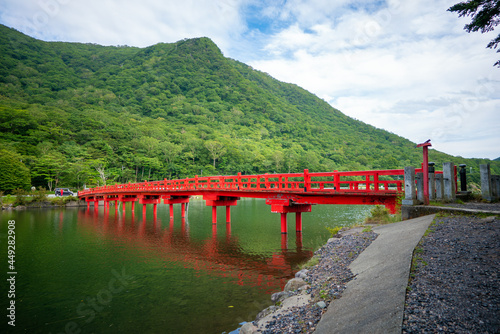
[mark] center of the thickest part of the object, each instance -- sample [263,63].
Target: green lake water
[80,271]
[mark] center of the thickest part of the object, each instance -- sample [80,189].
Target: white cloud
[123,22]
[405,66]
[408,68]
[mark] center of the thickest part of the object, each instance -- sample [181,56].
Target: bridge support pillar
[228,214]
[214,214]
[127,198]
[149,199]
[298,222]
[283,223]
[284,206]
[108,199]
[171,200]
[183,210]
[215,200]
[93,201]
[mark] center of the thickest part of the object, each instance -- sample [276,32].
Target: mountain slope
[83,113]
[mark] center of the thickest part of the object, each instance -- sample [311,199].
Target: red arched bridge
[285,193]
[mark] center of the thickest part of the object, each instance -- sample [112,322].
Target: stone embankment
[305,298]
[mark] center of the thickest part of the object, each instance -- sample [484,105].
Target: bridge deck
[367,182]
[288,192]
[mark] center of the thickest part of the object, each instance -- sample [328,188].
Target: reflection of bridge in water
[285,193]
[221,257]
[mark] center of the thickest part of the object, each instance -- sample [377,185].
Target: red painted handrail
[362,182]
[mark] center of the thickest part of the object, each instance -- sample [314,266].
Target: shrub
[14,174]
[379,214]
[367,229]
[70,199]
[39,195]
[334,231]
[20,197]
[63,200]
[311,263]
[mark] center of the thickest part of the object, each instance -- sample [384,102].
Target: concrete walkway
[373,301]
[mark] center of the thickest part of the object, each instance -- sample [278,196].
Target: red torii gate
[285,193]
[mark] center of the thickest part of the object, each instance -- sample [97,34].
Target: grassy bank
[37,198]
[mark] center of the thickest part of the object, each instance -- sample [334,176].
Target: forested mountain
[74,114]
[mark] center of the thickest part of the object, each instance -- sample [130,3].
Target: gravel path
[455,288]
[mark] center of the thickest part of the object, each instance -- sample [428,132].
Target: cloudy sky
[406,66]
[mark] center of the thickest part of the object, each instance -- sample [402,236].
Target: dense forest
[74,115]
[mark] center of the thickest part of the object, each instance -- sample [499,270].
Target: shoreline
[306,297]
[49,204]
[43,205]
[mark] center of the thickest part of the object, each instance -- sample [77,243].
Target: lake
[80,271]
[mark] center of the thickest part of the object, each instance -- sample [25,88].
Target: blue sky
[406,66]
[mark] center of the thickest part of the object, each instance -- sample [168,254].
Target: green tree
[170,152]
[216,150]
[151,164]
[51,167]
[80,172]
[485,17]
[278,158]
[151,145]
[100,168]
[14,174]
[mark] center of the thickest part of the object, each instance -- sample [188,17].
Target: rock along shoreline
[299,308]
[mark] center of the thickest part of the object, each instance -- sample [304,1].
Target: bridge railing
[378,181]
